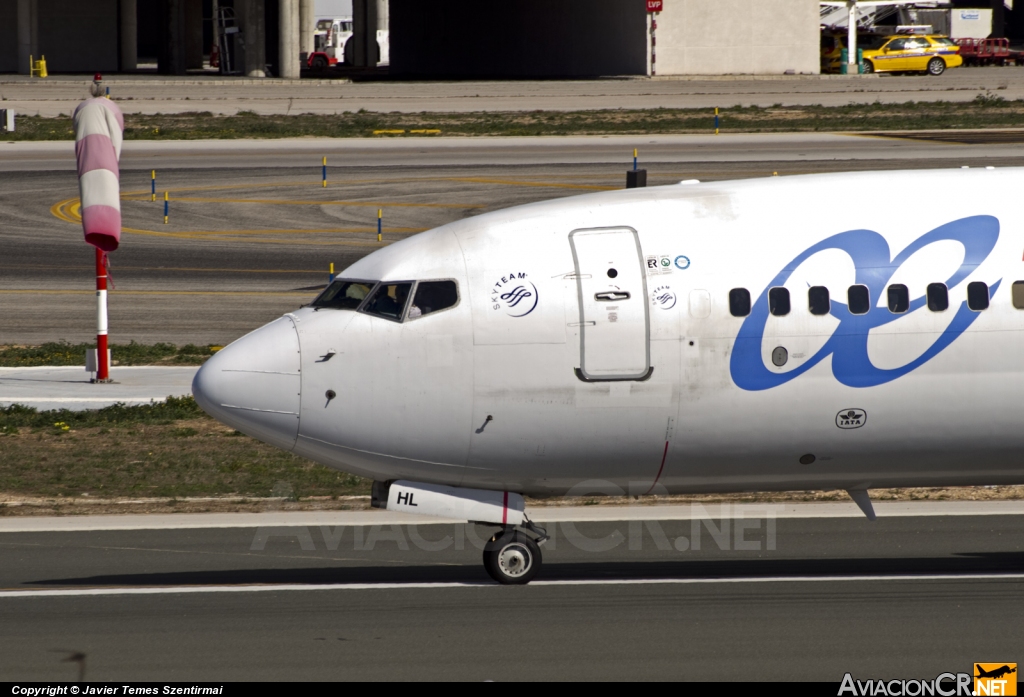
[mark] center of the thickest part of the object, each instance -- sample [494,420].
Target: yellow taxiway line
[69,210]
[282,202]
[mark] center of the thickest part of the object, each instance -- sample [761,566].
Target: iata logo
[516,294]
[995,679]
[851,418]
[664,297]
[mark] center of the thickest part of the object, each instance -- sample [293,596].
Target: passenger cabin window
[388,300]
[778,301]
[938,297]
[433,296]
[344,295]
[859,300]
[1017,294]
[739,301]
[818,301]
[977,296]
[899,299]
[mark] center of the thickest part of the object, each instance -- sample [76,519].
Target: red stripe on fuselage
[655,482]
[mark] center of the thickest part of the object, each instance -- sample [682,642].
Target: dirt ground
[13,505]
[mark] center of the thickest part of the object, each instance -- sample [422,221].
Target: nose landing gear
[512,557]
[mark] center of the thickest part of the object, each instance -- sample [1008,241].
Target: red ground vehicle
[329,38]
[988,52]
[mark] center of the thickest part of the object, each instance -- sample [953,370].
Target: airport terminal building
[445,39]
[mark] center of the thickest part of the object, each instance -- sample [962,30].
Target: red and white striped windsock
[99,130]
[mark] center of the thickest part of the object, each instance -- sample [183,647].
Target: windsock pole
[102,363]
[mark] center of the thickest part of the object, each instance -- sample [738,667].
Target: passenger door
[918,53]
[613,309]
[893,56]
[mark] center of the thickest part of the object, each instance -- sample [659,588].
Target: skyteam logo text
[516,294]
[848,345]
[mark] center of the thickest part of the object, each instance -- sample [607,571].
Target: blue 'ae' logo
[848,344]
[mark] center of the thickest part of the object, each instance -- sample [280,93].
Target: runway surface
[907,597]
[151,95]
[839,149]
[252,231]
[45,388]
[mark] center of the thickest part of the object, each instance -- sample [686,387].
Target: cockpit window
[344,295]
[433,296]
[388,300]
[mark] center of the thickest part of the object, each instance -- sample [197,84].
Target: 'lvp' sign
[655,5]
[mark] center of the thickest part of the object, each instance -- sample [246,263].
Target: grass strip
[172,449]
[58,353]
[985,111]
[16,416]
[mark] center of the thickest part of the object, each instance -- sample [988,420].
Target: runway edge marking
[168,590]
[587,514]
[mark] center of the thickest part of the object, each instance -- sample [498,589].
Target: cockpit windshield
[389,299]
[344,294]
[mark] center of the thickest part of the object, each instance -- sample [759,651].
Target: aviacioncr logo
[848,344]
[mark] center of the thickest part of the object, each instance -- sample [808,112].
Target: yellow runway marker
[251,236]
[369,204]
[69,211]
[212,234]
[388,131]
[553,185]
[311,243]
[512,179]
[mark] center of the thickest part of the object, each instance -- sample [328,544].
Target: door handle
[611,296]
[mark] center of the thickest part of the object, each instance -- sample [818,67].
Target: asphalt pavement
[776,598]
[252,231]
[46,387]
[150,94]
[839,150]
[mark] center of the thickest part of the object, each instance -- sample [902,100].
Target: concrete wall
[519,38]
[8,36]
[79,37]
[723,37]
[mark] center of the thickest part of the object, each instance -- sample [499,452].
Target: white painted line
[271,588]
[553,514]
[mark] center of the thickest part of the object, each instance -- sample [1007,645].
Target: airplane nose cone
[253,385]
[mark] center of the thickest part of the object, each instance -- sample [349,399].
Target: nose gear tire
[512,558]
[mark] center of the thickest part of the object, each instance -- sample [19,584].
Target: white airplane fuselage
[551,374]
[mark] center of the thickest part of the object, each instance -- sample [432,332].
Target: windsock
[99,130]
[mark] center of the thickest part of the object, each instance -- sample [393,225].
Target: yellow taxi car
[926,53]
